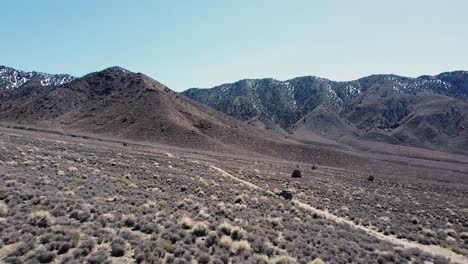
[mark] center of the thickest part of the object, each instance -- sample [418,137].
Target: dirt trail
[226,174]
[431,249]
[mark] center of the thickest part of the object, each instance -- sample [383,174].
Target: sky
[204,43]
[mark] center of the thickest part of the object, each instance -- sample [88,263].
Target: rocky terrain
[115,167]
[117,103]
[428,111]
[67,199]
[12,79]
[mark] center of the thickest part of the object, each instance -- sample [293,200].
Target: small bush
[129,220]
[3,209]
[370,178]
[296,174]
[40,219]
[186,222]
[316,261]
[98,257]
[211,239]
[239,199]
[168,248]
[118,247]
[80,215]
[24,247]
[148,252]
[200,229]
[204,259]
[237,233]
[225,228]
[45,256]
[225,242]
[241,246]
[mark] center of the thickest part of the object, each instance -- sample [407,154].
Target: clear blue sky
[204,43]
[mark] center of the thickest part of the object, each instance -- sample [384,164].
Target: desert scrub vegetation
[40,219]
[179,210]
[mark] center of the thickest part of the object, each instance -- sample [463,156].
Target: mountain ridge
[118,103]
[377,103]
[426,111]
[11,78]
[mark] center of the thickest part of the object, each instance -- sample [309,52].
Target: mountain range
[117,103]
[12,79]
[282,118]
[428,111]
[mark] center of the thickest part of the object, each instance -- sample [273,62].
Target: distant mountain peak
[116,69]
[11,78]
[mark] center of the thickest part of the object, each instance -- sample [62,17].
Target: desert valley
[115,167]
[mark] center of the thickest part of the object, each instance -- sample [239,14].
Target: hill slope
[123,104]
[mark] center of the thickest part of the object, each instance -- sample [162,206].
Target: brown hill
[119,103]
[422,119]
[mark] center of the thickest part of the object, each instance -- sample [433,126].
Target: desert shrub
[204,259]
[200,229]
[186,222]
[172,234]
[87,243]
[129,220]
[225,228]
[148,252]
[106,219]
[225,242]
[69,260]
[44,256]
[13,260]
[370,178]
[280,259]
[59,210]
[258,245]
[180,261]
[241,246]
[98,257]
[64,248]
[128,234]
[104,235]
[178,251]
[211,239]
[79,253]
[296,174]
[40,219]
[80,215]
[118,247]
[27,244]
[147,227]
[237,233]
[3,209]
[168,248]
[240,199]
[275,221]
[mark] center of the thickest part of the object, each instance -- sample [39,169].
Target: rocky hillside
[429,111]
[12,79]
[118,103]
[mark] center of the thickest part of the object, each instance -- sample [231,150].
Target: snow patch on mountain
[11,78]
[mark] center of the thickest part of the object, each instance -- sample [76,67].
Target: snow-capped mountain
[429,111]
[11,79]
[285,102]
